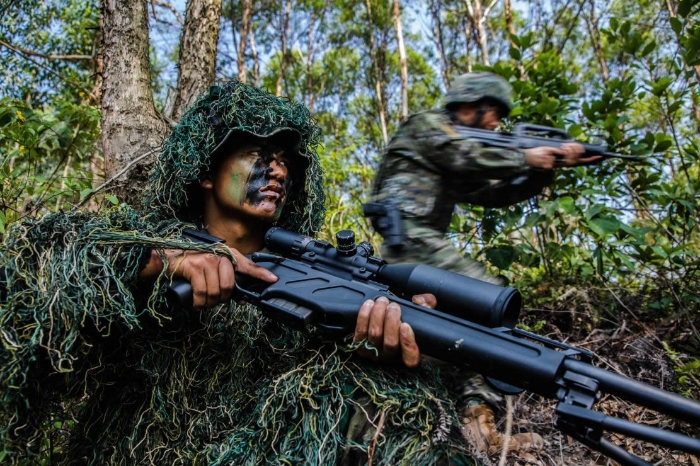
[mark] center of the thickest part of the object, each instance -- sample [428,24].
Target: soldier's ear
[206,182]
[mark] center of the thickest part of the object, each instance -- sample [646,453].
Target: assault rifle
[325,286]
[527,136]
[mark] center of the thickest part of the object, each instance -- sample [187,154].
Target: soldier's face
[467,115]
[251,181]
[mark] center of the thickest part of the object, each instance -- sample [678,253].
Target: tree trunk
[197,58]
[573,23]
[592,23]
[696,111]
[434,7]
[478,16]
[310,94]
[377,76]
[510,26]
[285,52]
[131,127]
[256,60]
[402,61]
[245,25]
[467,43]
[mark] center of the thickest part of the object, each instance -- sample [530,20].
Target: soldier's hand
[568,155]
[547,158]
[380,323]
[212,276]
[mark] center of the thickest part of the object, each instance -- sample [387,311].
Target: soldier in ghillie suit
[97,367]
[428,167]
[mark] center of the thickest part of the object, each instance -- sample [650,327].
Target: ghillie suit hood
[222,115]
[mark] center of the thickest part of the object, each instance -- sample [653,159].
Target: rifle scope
[464,297]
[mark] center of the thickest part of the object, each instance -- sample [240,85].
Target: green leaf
[662,146]
[113,199]
[660,252]
[85,193]
[684,7]
[677,26]
[597,257]
[501,256]
[603,226]
[659,87]
[650,47]
[614,24]
[566,204]
[594,210]
[624,259]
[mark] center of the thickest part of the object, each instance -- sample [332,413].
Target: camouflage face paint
[236,187]
[262,175]
[253,181]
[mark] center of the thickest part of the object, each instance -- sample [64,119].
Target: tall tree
[246,6]
[197,57]
[284,47]
[478,15]
[396,9]
[376,73]
[131,128]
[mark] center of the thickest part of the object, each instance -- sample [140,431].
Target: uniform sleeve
[434,139]
[511,191]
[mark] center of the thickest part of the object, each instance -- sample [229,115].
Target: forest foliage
[622,236]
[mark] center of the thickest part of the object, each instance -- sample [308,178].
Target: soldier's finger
[588,160]
[250,268]
[211,275]
[574,148]
[199,290]
[410,354]
[362,324]
[227,278]
[375,333]
[392,322]
[425,299]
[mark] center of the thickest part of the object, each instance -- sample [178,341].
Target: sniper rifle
[324,286]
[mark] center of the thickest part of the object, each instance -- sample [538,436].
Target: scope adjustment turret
[345,243]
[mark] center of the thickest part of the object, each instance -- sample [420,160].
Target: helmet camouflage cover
[472,87]
[223,116]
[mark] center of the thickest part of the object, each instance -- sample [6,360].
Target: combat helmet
[473,87]
[223,116]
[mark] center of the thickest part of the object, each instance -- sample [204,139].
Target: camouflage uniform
[428,168]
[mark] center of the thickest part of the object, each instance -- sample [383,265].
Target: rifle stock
[325,286]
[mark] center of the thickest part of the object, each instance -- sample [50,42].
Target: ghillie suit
[97,368]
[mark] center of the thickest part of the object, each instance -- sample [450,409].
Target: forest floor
[632,349]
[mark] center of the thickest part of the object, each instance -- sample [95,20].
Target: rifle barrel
[643,394]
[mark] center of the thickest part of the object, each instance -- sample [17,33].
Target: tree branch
[47,57]
[168,6]
[115,177]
